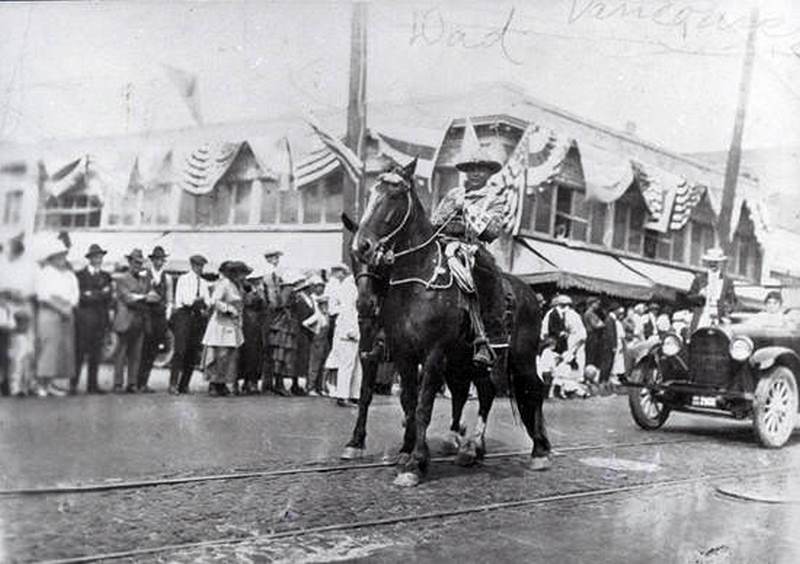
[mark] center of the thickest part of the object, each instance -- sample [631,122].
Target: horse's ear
[408,171]
[349,224]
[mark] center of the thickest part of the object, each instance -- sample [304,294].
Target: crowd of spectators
[248,328]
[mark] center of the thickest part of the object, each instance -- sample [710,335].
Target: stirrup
[483,355]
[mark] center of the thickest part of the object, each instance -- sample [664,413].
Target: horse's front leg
[408,400]
[430,381]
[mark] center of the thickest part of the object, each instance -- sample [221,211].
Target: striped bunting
[206,165]
[315,166]
[669,198]
[352,164]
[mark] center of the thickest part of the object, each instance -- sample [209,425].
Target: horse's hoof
[540,463]
[406,480]
[466,455]
[403,458]
[453,444]
[352,453]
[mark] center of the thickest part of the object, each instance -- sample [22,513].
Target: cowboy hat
[474,156]
[158,252]
[95,249]
[714,254]
[273,253]
[315,280]
[292,279]
[340,266]
[135,254]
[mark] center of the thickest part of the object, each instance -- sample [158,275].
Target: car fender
[767,357]
[643,349]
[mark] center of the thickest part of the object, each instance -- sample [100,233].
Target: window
[544,209]
[678,245]
[657,245]
[572,214]
[745,256]
[312,203]
[68,210]
[629,218]
[334,204]
[156,205]
[702,240]
[289,206]
[598,224]
[269,203]
[227,204]
[241,202]
[12,210]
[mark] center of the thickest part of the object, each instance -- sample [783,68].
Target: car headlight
[741,348]
[671,345]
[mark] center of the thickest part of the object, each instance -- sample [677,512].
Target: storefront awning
[538,262]
[676,278]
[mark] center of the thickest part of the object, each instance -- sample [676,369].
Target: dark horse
[427,322]
[372,283]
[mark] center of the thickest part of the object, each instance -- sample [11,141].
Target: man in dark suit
[91,318]
[712,295]
[155,321]
[133,297]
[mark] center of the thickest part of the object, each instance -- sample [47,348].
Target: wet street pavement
[698,490]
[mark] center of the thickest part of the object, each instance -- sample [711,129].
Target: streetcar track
[308,469]
[387,521]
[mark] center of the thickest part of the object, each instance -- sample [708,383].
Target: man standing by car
[711,295]
[188,322]
[91,318]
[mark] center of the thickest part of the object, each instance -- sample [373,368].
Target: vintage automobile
[746,370]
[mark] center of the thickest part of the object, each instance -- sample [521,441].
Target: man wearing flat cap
[711,296]
[188,323]
[155,327]
[91,318]
[133,298]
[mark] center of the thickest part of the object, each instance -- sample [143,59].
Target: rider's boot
[483,354]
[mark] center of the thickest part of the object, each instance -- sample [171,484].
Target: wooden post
[724,226]
[352,192]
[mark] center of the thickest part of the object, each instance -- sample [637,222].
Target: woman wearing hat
[283,335]
[57,294]
[223,335]
[251,354]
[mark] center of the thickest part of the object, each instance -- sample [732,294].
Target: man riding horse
[470,215]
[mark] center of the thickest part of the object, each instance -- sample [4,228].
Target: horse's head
[387,213]
[371,280]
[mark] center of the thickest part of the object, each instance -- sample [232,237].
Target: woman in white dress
[344,353]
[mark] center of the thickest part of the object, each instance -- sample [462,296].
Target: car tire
[775,407]
[164,358]
[648,413]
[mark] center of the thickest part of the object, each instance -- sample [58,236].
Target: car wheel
[647,412]
[775,407]
[164,357]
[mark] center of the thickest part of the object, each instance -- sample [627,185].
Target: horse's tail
[524,345]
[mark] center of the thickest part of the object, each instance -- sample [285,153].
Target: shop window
[678,245]
[79,210]
[12,209]
[620,226]
[657,245]
[598,223]
[745,256]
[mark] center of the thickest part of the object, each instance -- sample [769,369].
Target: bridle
[386,254]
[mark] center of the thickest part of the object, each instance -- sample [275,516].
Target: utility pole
[724,226]
[353,192]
